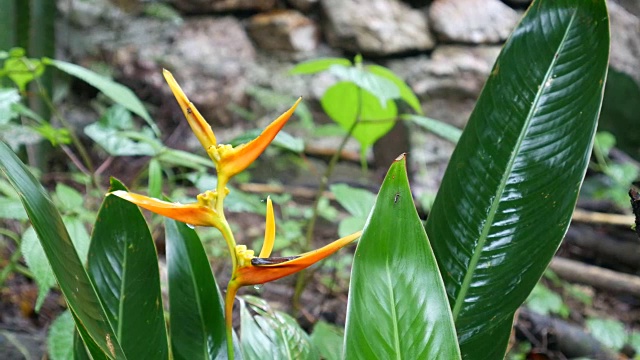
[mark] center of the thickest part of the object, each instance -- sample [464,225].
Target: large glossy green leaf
[398,307]
[124,268]
[74,282]
[195,305]
[512,182]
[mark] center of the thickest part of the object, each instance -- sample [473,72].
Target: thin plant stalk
[301,279]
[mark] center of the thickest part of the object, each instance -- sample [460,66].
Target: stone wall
[217,49]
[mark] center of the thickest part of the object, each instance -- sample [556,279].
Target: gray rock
[208,56]
[632,6]
[85,14]
[303,5]
[203,6]
[450,80]
[625,42]
[376,27]
[286,30]
[472,21]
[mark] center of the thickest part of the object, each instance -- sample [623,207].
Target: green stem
[13,261]
[232,289]
[324,182]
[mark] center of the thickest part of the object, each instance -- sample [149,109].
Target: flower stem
[324,182]
[232,289]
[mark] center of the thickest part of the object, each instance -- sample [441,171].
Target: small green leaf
[442,129]
[8,98]
[605,141]
[11,208]
[117,92]
[545,302]
[38,264]
[342,103]
[60,337]
[634,341]
[22,70]
[358,202]
[68,198]
[319,65]
[406,93]
[383,89]
[608,331]
[328,339]
[117,143]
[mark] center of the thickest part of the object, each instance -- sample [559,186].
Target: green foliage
[271,334]
[504,205]
[617,176]
[113,90]
[328,340]
[608,331]
[358,202]
[508,193]
[545,301]
[197,320]
[362,101]
[392,269]
[60,337]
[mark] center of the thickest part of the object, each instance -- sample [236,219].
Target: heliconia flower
[252,270]
[229,160]
[201,213]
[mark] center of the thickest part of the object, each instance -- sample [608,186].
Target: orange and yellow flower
[208,210]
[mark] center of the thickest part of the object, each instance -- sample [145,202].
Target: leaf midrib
[466,283]
[394,315]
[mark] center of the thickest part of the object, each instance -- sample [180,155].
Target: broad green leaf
[79,350]
[609,332]
[442,129]
[509,191]
[345,103]
[272,334]
[8,98]
[283,140]
[195,304]
[124,267]
[67,267]
[328,340]
[119,93]
[405,94]
[398,307]
[60,337]
[319,65]
[382,88]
